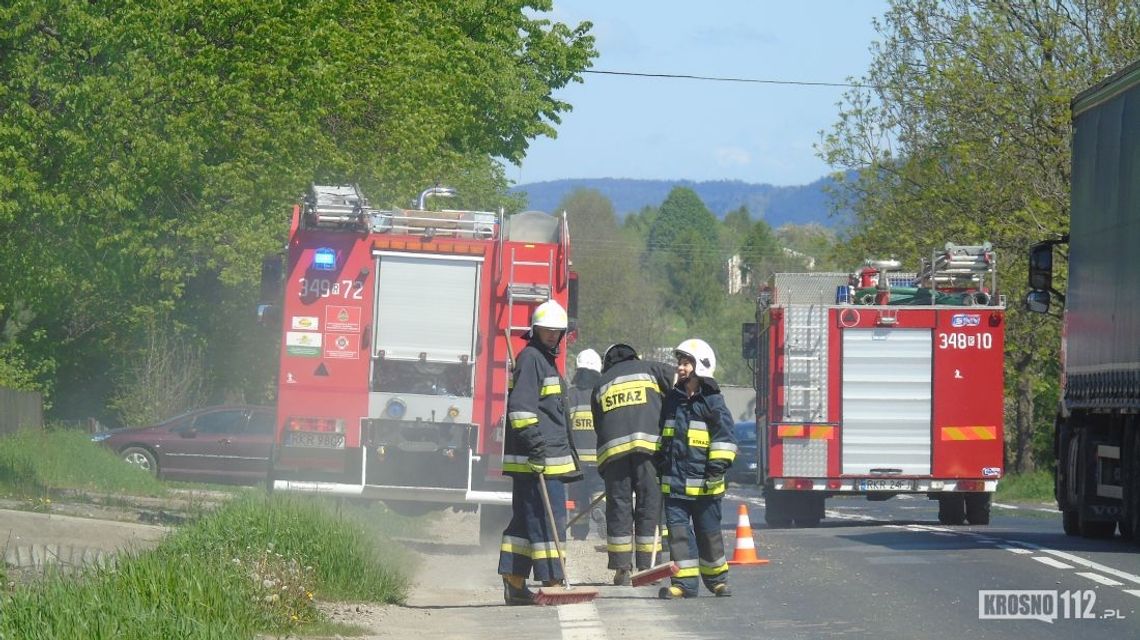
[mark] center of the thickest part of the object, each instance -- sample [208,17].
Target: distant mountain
[776,205]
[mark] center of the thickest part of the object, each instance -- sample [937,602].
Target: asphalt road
[871,570]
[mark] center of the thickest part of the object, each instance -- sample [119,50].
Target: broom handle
[656,538]
[553,527]
[581,514]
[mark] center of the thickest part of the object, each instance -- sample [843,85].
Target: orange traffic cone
[745,552]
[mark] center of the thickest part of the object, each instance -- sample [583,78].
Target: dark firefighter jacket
[697,442]
[627,408]
[581,417]
[536,418]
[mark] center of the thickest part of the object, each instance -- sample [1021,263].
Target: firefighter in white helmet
[588,367]
[536,449]
[698,446]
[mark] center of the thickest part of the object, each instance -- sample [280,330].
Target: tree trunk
[1023,423]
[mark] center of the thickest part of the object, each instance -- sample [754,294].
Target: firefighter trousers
[528,544]
[695,542]
[630,522]
[582,493]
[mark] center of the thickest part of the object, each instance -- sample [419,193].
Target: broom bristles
[654,574]
[563,595]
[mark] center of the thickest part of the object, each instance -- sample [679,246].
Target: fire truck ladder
[806,371]
[527,292]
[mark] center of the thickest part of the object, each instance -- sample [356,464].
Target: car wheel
[978,508]
[952,509]
[141,458]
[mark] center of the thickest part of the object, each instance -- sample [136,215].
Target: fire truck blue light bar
[324,259]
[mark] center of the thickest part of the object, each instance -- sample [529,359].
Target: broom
[656,572]
[565,594]
[586,511]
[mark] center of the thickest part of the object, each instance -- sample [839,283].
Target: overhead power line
[684,76]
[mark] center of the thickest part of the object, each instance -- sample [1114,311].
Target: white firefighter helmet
[589,359]
[550,315]
[702,355]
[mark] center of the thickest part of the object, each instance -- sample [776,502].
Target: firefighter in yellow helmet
[698,446]
[536,449]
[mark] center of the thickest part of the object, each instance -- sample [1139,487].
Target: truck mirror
[749,340]
[1037,301]
[1041,267]
[268,315]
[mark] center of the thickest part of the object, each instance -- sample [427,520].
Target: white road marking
[1096,577]
[1092,565]
[580,622]
[1134,592]
[1018,550]
[1056,564]
[1002,505]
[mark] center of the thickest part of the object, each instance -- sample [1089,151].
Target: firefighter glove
[713,482]
[536,466]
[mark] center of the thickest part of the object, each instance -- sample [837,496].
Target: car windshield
[746,432]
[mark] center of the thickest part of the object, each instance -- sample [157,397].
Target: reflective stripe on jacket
[697,443]
[536,418]
[627,408]
[582,418]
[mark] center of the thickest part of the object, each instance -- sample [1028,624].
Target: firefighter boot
[674,592]
[622,578]
[721,590]
[515,591]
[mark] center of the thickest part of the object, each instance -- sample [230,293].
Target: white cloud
[732,157]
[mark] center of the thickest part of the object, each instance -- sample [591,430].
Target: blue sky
[624,127]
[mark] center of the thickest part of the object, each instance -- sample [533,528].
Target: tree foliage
[683,245]
[151,149]
[960,133]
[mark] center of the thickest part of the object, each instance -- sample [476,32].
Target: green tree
[683,246]
[151,150]
[618,300]
[959,132]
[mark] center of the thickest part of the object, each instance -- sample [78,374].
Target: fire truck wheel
[493,518]
[777,509]
[978,508]
[140,457]
[951,509]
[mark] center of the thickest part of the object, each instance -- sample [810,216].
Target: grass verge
[1036,486]
[35,464]
[255,566]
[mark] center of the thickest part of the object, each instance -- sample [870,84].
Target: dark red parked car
[223,444]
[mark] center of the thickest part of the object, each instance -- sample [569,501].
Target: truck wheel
[493,518]
[1097,528]
[952,509]
[1131,517]
[777,510]
[978,508]
[808,510]
[1071,522]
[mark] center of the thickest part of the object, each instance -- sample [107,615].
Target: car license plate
[885,484]
[317,439]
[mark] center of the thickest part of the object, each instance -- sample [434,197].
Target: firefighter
[588,370]
[698,446]
[537,449]
[627,417]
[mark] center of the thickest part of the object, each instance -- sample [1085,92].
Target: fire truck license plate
[886,485]
[320,440]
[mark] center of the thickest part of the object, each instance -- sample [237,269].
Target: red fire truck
[881,383]
[394,350]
